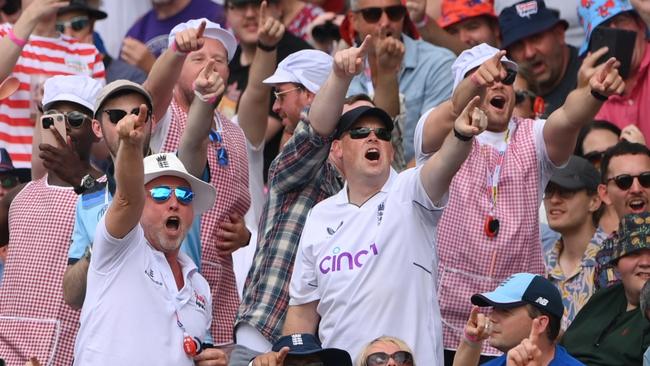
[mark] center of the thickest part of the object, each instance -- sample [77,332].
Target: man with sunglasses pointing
[157,304]
[496,195]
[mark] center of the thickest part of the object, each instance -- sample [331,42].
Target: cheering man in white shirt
[366,262]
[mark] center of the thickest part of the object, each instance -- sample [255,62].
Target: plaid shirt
[299,177]
[34,320]
[577,288]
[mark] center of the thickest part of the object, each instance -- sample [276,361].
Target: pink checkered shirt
[469,261]
[34,320]
[231,182]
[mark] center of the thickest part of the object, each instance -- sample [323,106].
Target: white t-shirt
[372,268]
[132,304]
[497,140]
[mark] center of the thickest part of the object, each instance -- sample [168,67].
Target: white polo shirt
[373,268]
[130,312]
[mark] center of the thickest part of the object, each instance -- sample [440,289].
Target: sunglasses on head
[363,132]
[76,23]
[74,119]
[115,115]
[394,13]
[402,358]
[521,95]
[160,194]
[595,157]
[625,181]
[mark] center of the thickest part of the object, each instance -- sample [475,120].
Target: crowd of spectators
[324,183]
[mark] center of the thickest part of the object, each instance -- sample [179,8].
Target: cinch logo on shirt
[336,263]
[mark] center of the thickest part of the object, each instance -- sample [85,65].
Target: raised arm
[253,119]
[193,147]
[594,86]
[29,19]
[125,210]
[167,68]
[390,52]
[438,171]
[328,103]
[429,29]
[476,331]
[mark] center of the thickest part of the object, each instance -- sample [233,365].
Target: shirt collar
[410,52]
[341,198]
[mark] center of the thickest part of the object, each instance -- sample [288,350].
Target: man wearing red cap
[473,22]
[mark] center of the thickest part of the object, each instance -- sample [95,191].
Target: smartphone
[56,120]
[620,43]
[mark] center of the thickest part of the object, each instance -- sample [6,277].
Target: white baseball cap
[474,57]
[80,89]
[307,67]
[168,164]
[212,30]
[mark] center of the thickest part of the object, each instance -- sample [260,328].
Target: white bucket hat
[168,164]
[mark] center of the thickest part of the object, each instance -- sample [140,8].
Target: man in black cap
[302,349]
[533,35]
[573,209]
[524,324]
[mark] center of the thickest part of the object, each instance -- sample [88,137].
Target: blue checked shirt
[299,177]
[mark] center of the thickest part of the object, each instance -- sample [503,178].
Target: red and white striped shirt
[40,59]
[34,320]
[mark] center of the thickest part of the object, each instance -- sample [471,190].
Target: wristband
[174,48]
[422,23]
[460,136]
[266,48]
[14,38]
[599,96]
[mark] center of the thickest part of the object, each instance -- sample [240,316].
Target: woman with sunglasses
[611,329]
[386,351]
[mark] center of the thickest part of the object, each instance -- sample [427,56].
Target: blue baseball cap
[527,18]
[305,344]
[521,289]
[593,13]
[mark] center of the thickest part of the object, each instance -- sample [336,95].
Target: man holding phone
[619,16]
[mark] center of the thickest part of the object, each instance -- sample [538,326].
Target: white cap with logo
[307,67]
[79,89]
[212,30]
[168,164]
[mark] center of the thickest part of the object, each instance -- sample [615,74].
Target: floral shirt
[576,288]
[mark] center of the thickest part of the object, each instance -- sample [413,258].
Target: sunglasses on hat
[161,194]
[402,358]
[625,181]
[395,13]
[363,132]
[115,115]
[76,23]
[594,157]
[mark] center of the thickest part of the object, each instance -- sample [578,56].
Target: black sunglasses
[624,181]
[395,13]
[402,358]
[115,115]
[363,132]
[521,95]
[9,181]
[594,157]
[563,193]
[76,23]
[74,119]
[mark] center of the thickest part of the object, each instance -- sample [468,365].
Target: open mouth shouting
[498,102]
[372,154]
[173,223]
[637,205]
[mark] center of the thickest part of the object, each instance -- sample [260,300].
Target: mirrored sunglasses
[625,181]
[394,13]
[402,358]
[363,132]
[160,194]
[76,23]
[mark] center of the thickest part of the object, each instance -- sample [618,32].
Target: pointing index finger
[262,12]
[363,48]
[534,331]
[200,30]
[207,70]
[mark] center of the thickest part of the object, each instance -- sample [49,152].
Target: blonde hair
[361,360]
